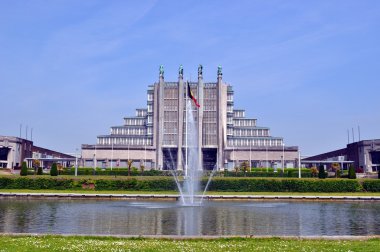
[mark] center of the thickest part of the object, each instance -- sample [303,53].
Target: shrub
[54,170]
[283,185]
[24,169]
[39,171]
[321,172]
[371,185]
[351,172]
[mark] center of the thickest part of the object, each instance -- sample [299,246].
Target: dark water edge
[129,217]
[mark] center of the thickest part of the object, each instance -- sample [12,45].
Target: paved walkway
[176,197]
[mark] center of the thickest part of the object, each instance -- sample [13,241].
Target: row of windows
[170,139]
[239,113]
[209,105]
[251,132]
[170,127]
[209,93]
[134,121]
[128,131]
[230,97]
[254,142]
[141,112]
[171,104]
[124,141]
[171,93]
[209,117]
[150,97]
[245,122]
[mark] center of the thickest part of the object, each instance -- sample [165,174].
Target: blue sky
[307,69]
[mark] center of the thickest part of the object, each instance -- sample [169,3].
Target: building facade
[156,135]
[364,155]
[15,150]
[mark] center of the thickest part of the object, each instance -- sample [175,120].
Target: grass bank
[77,243]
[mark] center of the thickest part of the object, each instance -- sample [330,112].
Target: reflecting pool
[128,217]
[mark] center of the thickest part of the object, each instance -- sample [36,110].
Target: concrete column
[160,121]
[220,120]
[200,116]
[181,103]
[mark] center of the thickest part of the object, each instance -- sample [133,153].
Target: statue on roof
[200,69]
[162,70]
[180,70]
[220,70]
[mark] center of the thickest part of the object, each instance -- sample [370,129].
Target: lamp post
[111,153]
[266,155]
[299,164]
[76,162]
[283,158]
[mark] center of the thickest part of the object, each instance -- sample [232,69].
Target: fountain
[190,189]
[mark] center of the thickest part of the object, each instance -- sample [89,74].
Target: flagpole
[186,119]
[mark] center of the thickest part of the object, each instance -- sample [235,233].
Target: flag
[190,94]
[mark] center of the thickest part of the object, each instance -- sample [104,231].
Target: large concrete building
[156,136]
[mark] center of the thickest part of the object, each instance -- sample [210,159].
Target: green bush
[217,184]
[283,185]
[54,170]
[24,169]
[39,171]
[351,172]
[371,185]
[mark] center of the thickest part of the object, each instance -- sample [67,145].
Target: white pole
[299,164]
[145,156]
[95,159]
[233,155]
[76,162]
[186,120]
[250,156]
[111,153]
[283,158]
[266,154]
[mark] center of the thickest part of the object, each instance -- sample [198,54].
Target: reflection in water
[170,218]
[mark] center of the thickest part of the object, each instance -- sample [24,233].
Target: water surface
[128,217]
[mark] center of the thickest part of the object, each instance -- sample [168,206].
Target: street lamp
[283,158]
[76,162]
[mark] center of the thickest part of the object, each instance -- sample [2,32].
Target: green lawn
[83,191]
[76,243]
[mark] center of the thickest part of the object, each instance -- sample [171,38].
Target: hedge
[284,185]
[217,184]
[167,184]
[371,185]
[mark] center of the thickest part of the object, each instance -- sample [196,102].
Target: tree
[39,171]
[54,170]
[142,166]
[129,163]
[59,168]
[351,172]
[24,169]
[35,164]
[314,171]
[335,167]
[321,172]
[244,166]
[236,170]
